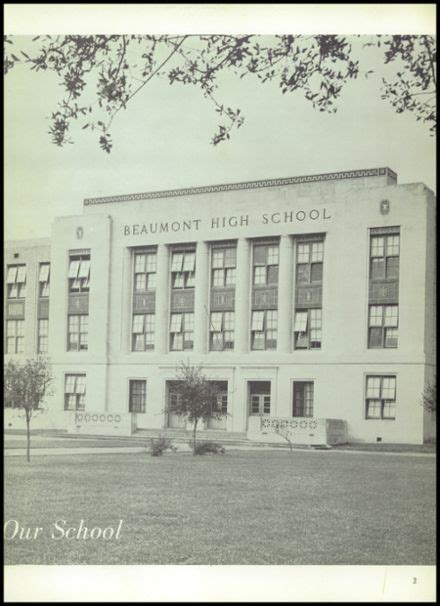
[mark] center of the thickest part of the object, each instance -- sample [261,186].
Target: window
[138,396]
[382,326]
[223,262]
[380,397]
[16,281]
[43,280]
[143,332]
[14,336]
[183,269]
[182,331]
[302,399]
[259,398]
[144,271]
[309,262]
[265,270]
[75,392]
[384,256]
[43,332]
[79,273]
[264,329]
[77,333]
[307,329]
[222,330]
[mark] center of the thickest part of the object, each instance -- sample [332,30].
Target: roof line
[208,189]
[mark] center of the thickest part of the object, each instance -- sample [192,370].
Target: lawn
[260,507]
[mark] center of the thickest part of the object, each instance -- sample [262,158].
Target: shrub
[207,447]
[159,445]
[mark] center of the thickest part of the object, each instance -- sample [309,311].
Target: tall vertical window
[264,329]
[14,336]
[43,334]
[259,398]
[79,273]
[265,264]
[138,395]
[380,397]
[75,392]
[182,331]
[43,280]
[183,269]
[78,333]
[16,281]
[145,268]
[143,332]
[302,399]
[384,256]
[309,273]
[223,263]
[222,330]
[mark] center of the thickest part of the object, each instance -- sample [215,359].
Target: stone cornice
[208,189]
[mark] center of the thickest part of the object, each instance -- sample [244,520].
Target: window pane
[272,255]
[216,321]
[260,255]
[393,245]
[228,339]
[258,340]
[230,257]
[80,384]
[389,388]
[303,253]
[69,384]
[21,274]
[12,274]
[20,328]
[139,342]
[230,277]
[188,339]
[44,272]
[260,275]
[378,268]
[218,277]
[73,323]
[177,341]
[271,319]
[377,247]
[374,409]
[139,264]
[272,274]
[266,405]
[190,280]
[177,262]
[315,318]
[188,262]
[188,321]
[217,258]
[301,321]
[149,323]
[176,323]
[271,339]
[43,326]
[228,320]
[375,315]
[389,409]
[316,272]
[217,341]
[391,315]
[140,282]
[391,337]
[151,282]
[373,387]
[83,323]
[392,267]
[303,273]
[255,404]
[317,252]
[73,268]
[151,263]
[138,324]
[257,320]
[375,337]
[179,280]
[11,328]
[84,268]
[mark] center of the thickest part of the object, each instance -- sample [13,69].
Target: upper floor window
[143,332]
[222,330]
[78,333]
[16,281]
[384,256]
[79,273]
[144,271]
[380,397]
[309,262]
[265,262]
[182,331]
[382,325]
[264,329]
[43,335]
[183,269]
[43,280]
[308,329]
[223,262]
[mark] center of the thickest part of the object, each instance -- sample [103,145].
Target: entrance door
[174,420]
[259,398]
[221,406]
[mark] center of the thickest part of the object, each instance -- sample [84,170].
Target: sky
[162,141]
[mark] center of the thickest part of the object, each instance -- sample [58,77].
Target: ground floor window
[138,395]
[302,399]
[259,397]
[75,392]
[380,397]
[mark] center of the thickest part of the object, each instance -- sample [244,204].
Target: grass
[272,507]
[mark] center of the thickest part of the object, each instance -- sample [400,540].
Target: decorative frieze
[222,299]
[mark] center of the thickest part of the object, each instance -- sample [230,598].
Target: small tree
[26,386]
[198,397]
[429,398]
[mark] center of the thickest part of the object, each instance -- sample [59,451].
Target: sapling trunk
[194,435]
[28,432]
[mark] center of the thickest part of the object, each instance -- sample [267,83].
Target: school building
[310,301]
